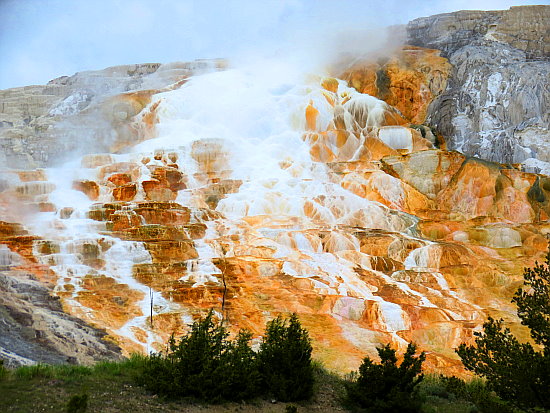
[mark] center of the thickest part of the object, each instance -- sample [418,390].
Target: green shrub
[238,372]
[387,387]
[78,404]
[205,364]
[475,392]
[285,360]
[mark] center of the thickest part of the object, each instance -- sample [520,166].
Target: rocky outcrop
[363,227]
[333,199]
[34,328]
[496,103]
[521,27]
[90,111]
[408,81]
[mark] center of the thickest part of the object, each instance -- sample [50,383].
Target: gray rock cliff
[34,327]
[496,105]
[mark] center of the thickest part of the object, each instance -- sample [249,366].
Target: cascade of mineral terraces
[263,192]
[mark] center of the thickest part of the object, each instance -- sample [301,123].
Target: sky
[44,39]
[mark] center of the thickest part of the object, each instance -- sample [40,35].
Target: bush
[285,360]
[78,404]
[516,371]
[238,373]
[205,365]
[386,386]
[477,392]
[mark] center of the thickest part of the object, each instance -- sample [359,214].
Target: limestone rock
[35,329]
[522,27]
[42,125]
[408,81]
[315,198]
[496,102]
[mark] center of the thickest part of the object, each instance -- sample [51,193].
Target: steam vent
[389,200]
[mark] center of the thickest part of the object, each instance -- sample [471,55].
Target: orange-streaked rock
[409,81]
[125,192]
[120,179]
[157,191]
[90,188]
[35,175]
[114,303]
[425,246]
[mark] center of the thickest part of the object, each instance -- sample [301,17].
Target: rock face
[496,103]
[408,81]
[89,111]
[317,199]
[35,328]
[521,27]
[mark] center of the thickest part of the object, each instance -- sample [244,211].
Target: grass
[448,394]
[48,388]
[110,387]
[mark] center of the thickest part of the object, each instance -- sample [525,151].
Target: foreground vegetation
[111,387]
[206,371]
[206,367]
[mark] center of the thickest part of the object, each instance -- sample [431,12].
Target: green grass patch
[110,387]
[441,394]
[34,371]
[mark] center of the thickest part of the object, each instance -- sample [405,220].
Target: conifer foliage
[285,360]
[385,386]
[517,371]
[207,365]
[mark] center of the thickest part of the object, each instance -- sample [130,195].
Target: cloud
[44,39]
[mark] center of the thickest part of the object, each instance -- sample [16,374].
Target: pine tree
[206,365]
[385,386]
[516,371]
[285,360]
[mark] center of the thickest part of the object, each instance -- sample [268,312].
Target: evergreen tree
[205,364]
[387,387]
[285,360]
[516,371]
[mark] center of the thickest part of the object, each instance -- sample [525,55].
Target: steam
[41,40]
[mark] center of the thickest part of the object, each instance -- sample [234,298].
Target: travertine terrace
[262,192]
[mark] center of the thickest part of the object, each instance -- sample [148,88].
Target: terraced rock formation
[259,193]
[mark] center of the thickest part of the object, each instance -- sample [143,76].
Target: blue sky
[44,39]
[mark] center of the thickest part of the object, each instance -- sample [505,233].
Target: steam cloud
[44,39]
